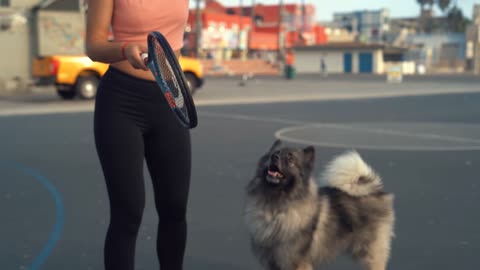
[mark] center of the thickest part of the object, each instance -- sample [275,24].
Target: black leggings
[132,122]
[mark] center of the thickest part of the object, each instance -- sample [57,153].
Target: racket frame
[191,120]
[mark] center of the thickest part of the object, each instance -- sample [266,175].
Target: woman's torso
[132,20]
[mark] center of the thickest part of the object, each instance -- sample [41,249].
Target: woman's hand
[133,53]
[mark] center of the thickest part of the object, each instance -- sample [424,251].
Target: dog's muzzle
[274,175]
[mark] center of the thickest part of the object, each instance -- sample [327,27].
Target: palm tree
[424,3]
[444,5]
[425,21]
[457,20]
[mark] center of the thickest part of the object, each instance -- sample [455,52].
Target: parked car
[78,76]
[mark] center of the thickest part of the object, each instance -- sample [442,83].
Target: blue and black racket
[163,63]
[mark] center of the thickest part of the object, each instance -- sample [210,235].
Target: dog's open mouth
[274,175]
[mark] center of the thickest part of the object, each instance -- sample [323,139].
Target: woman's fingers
[134,56]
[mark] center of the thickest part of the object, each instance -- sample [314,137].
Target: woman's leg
[120,148]
[168,159]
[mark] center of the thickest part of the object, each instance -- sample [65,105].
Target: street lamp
[198,28]
[252,12]
[240,24]
[304,22]
[280,32]
[253,23]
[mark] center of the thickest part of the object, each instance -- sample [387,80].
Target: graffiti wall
[61,33]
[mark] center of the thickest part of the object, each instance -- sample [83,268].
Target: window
[4,3]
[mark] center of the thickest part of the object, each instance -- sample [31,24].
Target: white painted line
[325,96]
[379,147]
[301,125]
[280,134]
[45,110]
[382,131]
[254,118]
[281,97]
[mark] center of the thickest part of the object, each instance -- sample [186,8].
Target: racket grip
[144,57]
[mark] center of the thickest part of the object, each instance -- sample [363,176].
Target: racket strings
[170,78]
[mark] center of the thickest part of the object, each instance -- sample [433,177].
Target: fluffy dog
[294,225]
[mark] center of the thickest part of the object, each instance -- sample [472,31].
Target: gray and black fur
[294,225]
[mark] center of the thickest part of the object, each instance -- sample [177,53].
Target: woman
[132,122]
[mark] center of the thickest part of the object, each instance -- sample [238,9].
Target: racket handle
[144,57]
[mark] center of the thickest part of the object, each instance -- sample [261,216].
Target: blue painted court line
[59,215]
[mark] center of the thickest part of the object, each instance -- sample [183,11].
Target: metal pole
[476,53]
[304,23]
[252,11]
[252,18]
[198,28]
[280,33]
[239,24]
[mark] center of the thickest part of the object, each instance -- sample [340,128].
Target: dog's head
[286,166]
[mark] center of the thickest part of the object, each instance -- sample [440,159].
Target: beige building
[336,33]
[473,42]
[14,43]
[30,28]
[340,57]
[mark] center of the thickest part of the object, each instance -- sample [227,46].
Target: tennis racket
[163,63]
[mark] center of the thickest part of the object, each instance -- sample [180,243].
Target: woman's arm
[98,47]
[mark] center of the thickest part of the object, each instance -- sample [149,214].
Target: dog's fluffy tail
[349,173]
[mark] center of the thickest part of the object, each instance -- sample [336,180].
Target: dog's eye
[290,158]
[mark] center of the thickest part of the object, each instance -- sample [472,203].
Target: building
[298,23]
[337,33]
[428,23]
[15,42]
[32,28]
[229,31]
[344,57]
[370,25]
[442,51]
[221,35]
[473,42]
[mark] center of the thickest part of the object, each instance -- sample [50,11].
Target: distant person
[290,58]
[289,63]
[323,67]
[133,123]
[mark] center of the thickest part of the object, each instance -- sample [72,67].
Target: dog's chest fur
[269,223]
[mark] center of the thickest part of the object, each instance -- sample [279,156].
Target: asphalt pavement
[422,136]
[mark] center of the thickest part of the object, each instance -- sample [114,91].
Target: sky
[325,8]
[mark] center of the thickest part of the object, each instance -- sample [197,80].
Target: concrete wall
[378,62]
[355,62]
[435,42]
[23,3]
[365,21]
[15,52]
[61,33]
[309,61]
[31,3]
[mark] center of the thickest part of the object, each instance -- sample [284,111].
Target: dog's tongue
[274,174]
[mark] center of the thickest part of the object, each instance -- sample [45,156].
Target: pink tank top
[132,20]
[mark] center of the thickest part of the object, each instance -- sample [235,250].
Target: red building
[230,28]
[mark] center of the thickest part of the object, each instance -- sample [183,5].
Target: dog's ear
[309,155]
